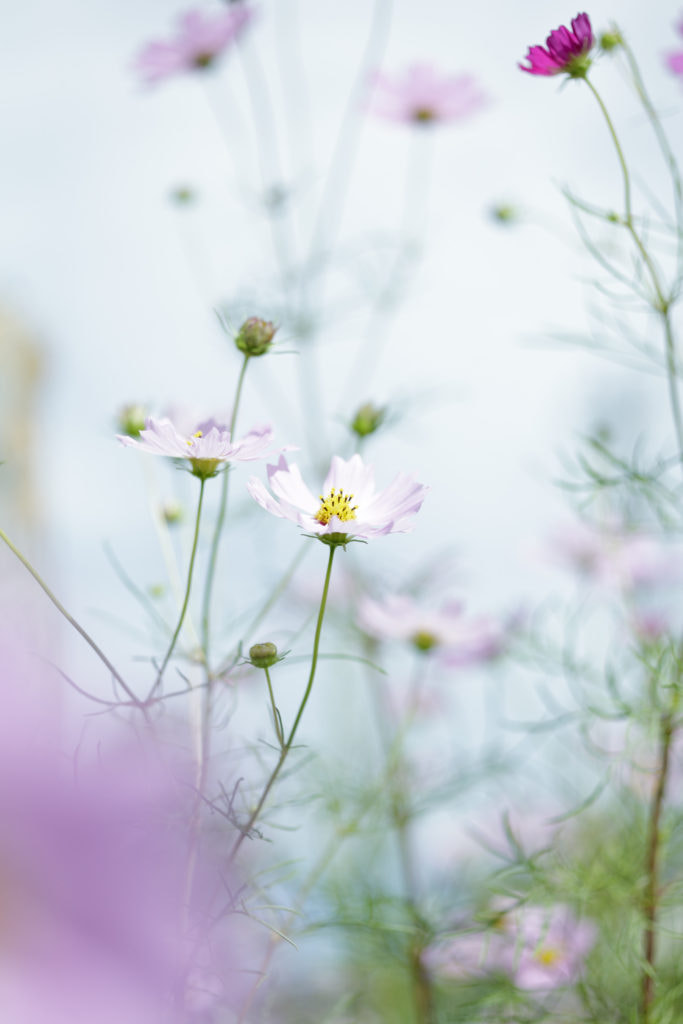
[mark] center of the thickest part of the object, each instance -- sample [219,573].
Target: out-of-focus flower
[544,947]
[349,507]
[205,448]
[98,920]
[616,557]
[461,640]
[200,39]
[566,51]
[541,948]
[422,95]
[675,60]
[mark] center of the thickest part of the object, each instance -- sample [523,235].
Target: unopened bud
[610,41]
[255,336]
[368,419]
[504,213]
[132,419]
[172,513]
[263,655]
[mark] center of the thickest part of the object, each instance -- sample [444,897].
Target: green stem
[652,861]
[186,600]
[218,529]
[70,619]
[246,829]
[276,714]
[662,302]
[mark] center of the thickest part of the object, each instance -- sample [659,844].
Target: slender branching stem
[661,301]
[218,528]
[287,746]
[186,599]
[70,619]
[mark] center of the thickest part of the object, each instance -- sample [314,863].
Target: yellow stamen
[336,504]
[191,440]
[547,956]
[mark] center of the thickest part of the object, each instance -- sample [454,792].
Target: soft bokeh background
[115,284]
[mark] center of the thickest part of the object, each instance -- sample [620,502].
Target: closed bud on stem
[610,41]
[255,336]
[368,419]
[263,655]
[131,419]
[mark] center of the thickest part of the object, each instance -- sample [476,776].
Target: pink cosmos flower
[423,96]
[349,506]
[201,38]
[616,557]
[567,51]
[675,60]
[205,448]
[461,640]
[541,948]
[544,947]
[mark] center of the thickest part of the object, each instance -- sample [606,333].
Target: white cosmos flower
[349,504]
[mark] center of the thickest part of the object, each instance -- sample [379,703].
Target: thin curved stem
[70,619]
[277,721]
[662,301]
[246,829]
[218,528]
[186,600]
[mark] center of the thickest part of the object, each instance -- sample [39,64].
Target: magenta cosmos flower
[675,60]
[349,505]
[205,448]
[460,640]
[201,38]
[565,51]
[423,96]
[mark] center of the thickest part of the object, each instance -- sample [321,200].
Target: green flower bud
[367,420]
[255,336]
[132,419]
[183,195]
[610,41]
[172,512]
[424,641]
[504,213]
[263,655]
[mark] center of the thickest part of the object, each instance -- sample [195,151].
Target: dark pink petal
[583,31]
[540,62]
[675,62]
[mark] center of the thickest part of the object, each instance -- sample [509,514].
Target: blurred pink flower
[544,947]
[201,38]
[567,51]
[205,448]
[423,96]
[675,60]
[97,922]
[350,506]
[460,640]
[616,557]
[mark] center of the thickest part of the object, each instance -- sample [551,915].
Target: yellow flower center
[191,440]
[424,114]
[336,504]
[547,956]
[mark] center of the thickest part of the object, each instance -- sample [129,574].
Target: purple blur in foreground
[675,60]
[200,39]
[423,96]
[566,51]
[100,921]
[350,506]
